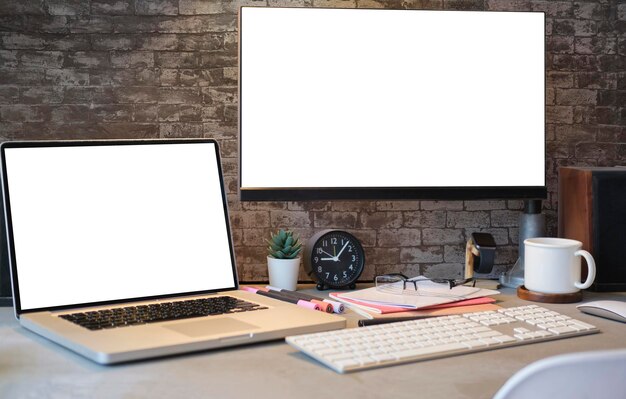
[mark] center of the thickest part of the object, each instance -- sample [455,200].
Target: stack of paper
[428,295]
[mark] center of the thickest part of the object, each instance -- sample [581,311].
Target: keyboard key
[505,339]
[562,330]
[339,357]
[477,343]
[383,357]
[439,350]
[345,363]
[479,329]
[487,334]
[582,325]
[365,360]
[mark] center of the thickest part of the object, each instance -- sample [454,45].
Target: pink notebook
[395,309]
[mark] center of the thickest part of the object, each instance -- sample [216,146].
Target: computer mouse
[615,310]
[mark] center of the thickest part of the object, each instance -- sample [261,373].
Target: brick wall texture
[168,68]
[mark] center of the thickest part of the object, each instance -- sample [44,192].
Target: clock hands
[335,257]
[332,256]
[339,254]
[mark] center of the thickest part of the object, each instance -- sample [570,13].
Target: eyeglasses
[396,283]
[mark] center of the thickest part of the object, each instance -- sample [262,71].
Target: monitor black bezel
[388,193]
[74,143]
[392,193]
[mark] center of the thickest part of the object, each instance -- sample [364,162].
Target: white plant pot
[283,273]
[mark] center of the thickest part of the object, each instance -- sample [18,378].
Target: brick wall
[168,68]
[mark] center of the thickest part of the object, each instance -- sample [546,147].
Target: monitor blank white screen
[103,223]
[391,98]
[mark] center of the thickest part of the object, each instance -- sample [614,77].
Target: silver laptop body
[97,225]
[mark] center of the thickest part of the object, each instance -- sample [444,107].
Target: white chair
[592,375]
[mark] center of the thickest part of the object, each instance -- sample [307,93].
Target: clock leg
[321,287]
[352,286]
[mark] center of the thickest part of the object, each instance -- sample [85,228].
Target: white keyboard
[410,341]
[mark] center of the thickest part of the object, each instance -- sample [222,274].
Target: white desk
[32,367]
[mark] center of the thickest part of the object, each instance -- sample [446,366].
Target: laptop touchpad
[210,327]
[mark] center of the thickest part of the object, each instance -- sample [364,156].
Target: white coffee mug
[552,265]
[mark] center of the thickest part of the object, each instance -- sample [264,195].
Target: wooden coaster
[534,296]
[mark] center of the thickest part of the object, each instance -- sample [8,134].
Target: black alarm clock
[334,259]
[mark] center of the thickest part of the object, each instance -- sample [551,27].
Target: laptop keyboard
[164,311]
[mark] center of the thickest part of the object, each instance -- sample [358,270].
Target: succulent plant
[283,245]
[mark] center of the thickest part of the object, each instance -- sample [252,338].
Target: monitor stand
[532,223]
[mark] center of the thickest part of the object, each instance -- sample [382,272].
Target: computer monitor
[391,104]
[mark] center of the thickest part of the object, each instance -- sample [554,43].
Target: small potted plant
[283,263]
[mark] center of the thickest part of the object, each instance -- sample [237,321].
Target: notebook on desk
[122,250]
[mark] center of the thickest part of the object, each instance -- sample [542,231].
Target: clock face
[337,259]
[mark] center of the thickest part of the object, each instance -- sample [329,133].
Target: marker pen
[285,298]
[295,293]
[326,305]
[370,322]
[323,306]
[337,306]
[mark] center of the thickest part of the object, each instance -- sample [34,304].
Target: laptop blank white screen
[113,222]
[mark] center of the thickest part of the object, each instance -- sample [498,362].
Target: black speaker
[592,209]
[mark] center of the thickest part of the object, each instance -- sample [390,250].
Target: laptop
[122,250]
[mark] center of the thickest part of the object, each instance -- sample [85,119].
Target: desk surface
[33,367]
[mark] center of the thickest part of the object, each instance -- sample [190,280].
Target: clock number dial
[337,259]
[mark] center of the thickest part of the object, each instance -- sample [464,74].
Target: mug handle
[591,267]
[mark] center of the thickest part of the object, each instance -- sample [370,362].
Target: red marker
[324,306]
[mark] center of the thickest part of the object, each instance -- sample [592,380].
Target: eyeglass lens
[390,283]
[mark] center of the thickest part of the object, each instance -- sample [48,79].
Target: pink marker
[308,305]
